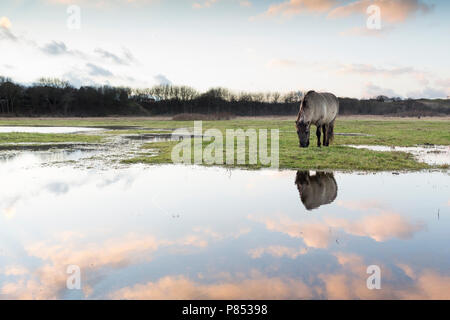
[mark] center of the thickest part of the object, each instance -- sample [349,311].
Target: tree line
[54,97]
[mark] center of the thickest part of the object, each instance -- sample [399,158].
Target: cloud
[295,7]
[392,11]
[55,48]
[367,69]
[314,234]
[319,234]
[364,31]
[9,213]
[278,252]
[101,3]
[125,60]
[429,93]
[48,281]
[5,23]
[5,30]
[95,70]
[51,276]
[180,287]
[445,83]
[372,90]
[204,4]
[380,227]
[162,80]
[361,205]
[281,63]
[110,56]
[349,282]
[14,270]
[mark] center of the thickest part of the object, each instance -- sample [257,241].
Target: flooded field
[186,232]
[4,129]
[429,154]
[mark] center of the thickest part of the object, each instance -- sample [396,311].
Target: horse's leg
[325,135]
[318,136]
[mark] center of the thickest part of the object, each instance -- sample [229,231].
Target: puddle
[30,159]
[105,156]
[433,155]
[55,130]
[155,137]
[186,232]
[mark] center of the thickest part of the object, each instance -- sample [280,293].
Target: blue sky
[243,45]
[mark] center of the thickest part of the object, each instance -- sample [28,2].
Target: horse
[320,109]
[317,190]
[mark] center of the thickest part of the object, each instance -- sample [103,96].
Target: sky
[359,48]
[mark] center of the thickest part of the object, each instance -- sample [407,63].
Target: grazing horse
[320,109]
[316,191]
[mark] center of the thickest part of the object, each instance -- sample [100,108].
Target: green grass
[401,132]
[387,132]
[17,137]
[313,158]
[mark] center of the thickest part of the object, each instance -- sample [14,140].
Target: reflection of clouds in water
[380,227]
[277,251]
[349,282]
[25,187]
[256,286]
[94,259]
[361,205]
[216,235]
[14,270]
[49,280]
[318,234]
[9,213]
[58,188]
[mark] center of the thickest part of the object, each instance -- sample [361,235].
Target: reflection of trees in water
[316,190]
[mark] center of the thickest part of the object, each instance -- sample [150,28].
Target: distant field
[383,131]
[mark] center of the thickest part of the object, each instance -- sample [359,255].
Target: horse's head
[303,131]
[303,126]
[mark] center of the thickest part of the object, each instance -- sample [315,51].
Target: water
[433,155]
[171,232]
[47,129]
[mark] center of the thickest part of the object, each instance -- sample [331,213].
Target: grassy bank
[387,132]
[291,157]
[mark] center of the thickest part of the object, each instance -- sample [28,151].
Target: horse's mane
[302,104]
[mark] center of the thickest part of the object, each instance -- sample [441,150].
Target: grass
[387,132]
[313,158]
[17,137]
[401,132]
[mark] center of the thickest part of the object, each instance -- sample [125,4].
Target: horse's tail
[330,132]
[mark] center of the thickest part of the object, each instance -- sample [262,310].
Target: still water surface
[170,232]
[19,129]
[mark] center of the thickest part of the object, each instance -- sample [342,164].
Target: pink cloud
[278,252]
[180,287]
[295,7]
[392,11]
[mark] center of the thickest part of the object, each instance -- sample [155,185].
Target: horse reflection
[317,190]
